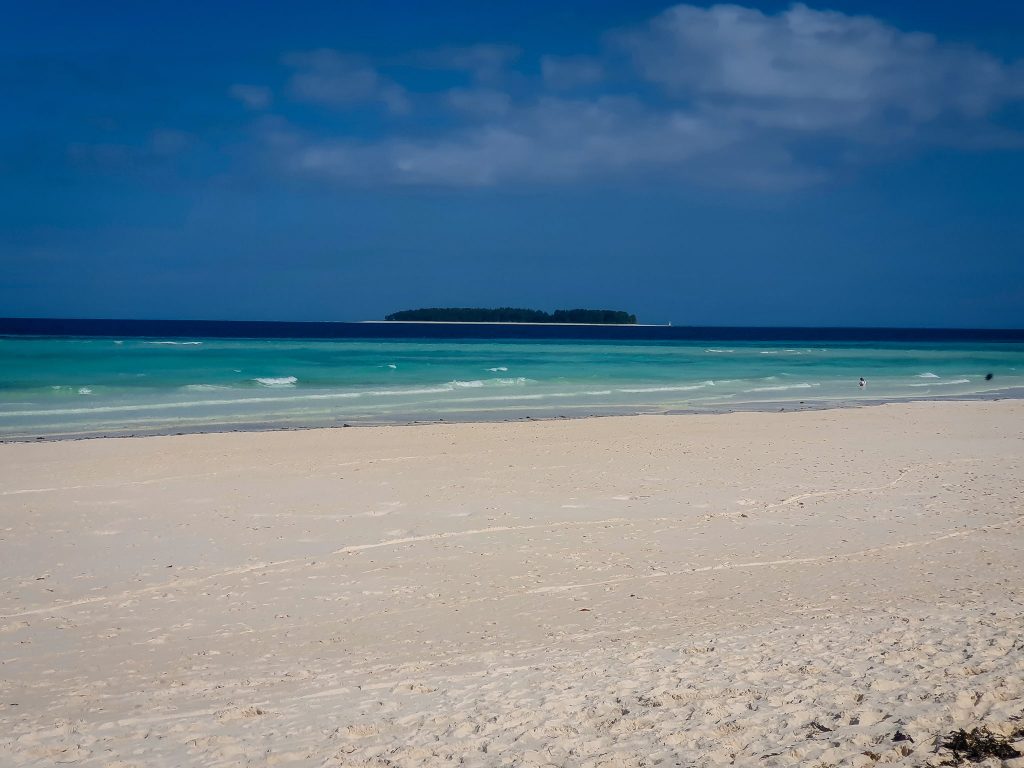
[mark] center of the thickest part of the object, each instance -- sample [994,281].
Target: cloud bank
[724,95]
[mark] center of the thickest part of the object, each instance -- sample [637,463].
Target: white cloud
[553,140]
[566,72]
[253,96]
[747,99]
[338,80]
[808,70]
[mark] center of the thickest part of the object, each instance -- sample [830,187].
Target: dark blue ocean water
[379,330]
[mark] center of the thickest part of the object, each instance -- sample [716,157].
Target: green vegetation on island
[513,315]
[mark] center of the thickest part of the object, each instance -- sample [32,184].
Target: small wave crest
[84,391]
[782,387]
[681,388]
[477,383]
[276,381]
[204,387]
[927,375]
[177,343]
[498,369]
[942,383]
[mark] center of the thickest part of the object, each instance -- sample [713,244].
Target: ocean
[88,378]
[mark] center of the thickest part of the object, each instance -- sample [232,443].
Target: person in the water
[862,383]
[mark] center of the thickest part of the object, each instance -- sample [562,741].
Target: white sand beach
[839,587]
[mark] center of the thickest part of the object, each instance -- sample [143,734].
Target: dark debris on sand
[977,745]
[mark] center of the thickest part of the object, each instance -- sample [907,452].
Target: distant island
[512,315]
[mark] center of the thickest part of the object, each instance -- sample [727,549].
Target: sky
[830,164]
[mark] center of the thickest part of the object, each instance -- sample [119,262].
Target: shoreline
[788,406]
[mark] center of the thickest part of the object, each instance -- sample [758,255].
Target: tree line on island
[512,315]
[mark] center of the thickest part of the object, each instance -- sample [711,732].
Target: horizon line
[21,319]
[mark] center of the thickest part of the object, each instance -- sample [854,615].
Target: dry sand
[755,589]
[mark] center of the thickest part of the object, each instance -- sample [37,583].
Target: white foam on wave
[720,351]
[686,388]
[179,405]
[118,341]
[780,388]
[177,343]
[539,396]
[84,391]
[283,382]
[942,383]
[392,366]
[277,381]
[499,369]
[204,387]
[927,375]
[477,383]
[393,392]
[502,398]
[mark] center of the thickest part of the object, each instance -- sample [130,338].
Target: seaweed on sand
[977,745]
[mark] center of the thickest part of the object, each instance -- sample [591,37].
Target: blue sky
[760,164]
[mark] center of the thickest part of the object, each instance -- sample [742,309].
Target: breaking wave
[477,383]
[687,388]
[277,381]
[780,388]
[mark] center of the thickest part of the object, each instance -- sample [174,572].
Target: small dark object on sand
[988,377]
[901,736]
[977,745]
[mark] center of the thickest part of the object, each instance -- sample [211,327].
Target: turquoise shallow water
[81,386]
